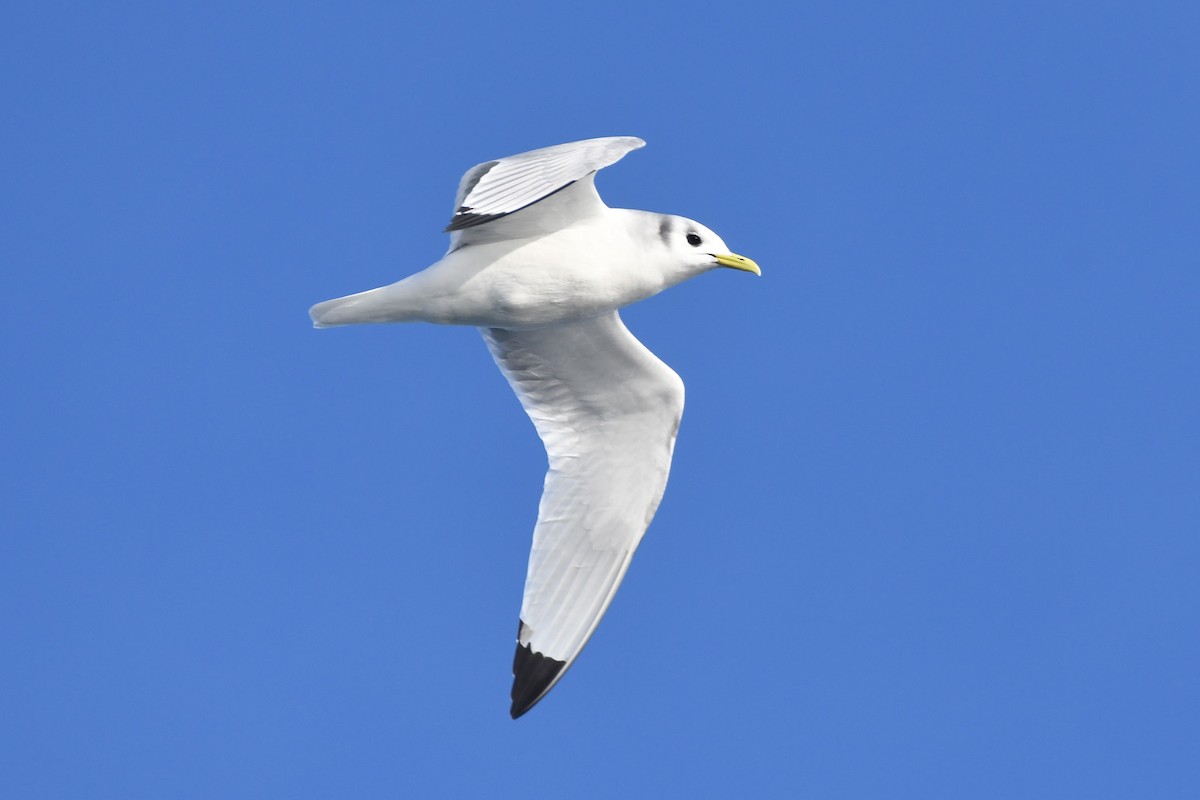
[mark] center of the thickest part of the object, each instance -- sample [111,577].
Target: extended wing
[607,411]
[493,190]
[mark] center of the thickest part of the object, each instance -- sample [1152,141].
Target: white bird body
[541,265]
[527,282]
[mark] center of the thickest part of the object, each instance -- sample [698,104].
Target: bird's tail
[385,304]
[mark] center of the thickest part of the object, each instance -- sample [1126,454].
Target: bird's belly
[514,293]
[566,298]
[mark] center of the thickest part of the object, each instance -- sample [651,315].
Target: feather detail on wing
[493,190]
[607,410]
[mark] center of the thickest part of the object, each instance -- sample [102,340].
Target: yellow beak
[738,262]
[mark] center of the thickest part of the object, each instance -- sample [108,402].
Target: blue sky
[932,529]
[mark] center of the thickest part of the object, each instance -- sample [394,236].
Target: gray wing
[607,411]
[494,189]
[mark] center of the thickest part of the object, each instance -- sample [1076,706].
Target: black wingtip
[463,218]
[533,674]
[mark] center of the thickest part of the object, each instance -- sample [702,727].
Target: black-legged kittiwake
[541,265]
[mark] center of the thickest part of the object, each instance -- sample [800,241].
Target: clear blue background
[933,525]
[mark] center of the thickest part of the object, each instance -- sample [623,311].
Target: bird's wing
[493,190]
[607,410]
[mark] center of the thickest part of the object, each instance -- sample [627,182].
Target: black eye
[693,240]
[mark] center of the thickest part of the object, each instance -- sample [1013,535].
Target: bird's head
[695,248]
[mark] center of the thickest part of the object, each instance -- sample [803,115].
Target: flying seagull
[540,264]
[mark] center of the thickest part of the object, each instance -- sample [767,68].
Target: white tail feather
[385,304]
